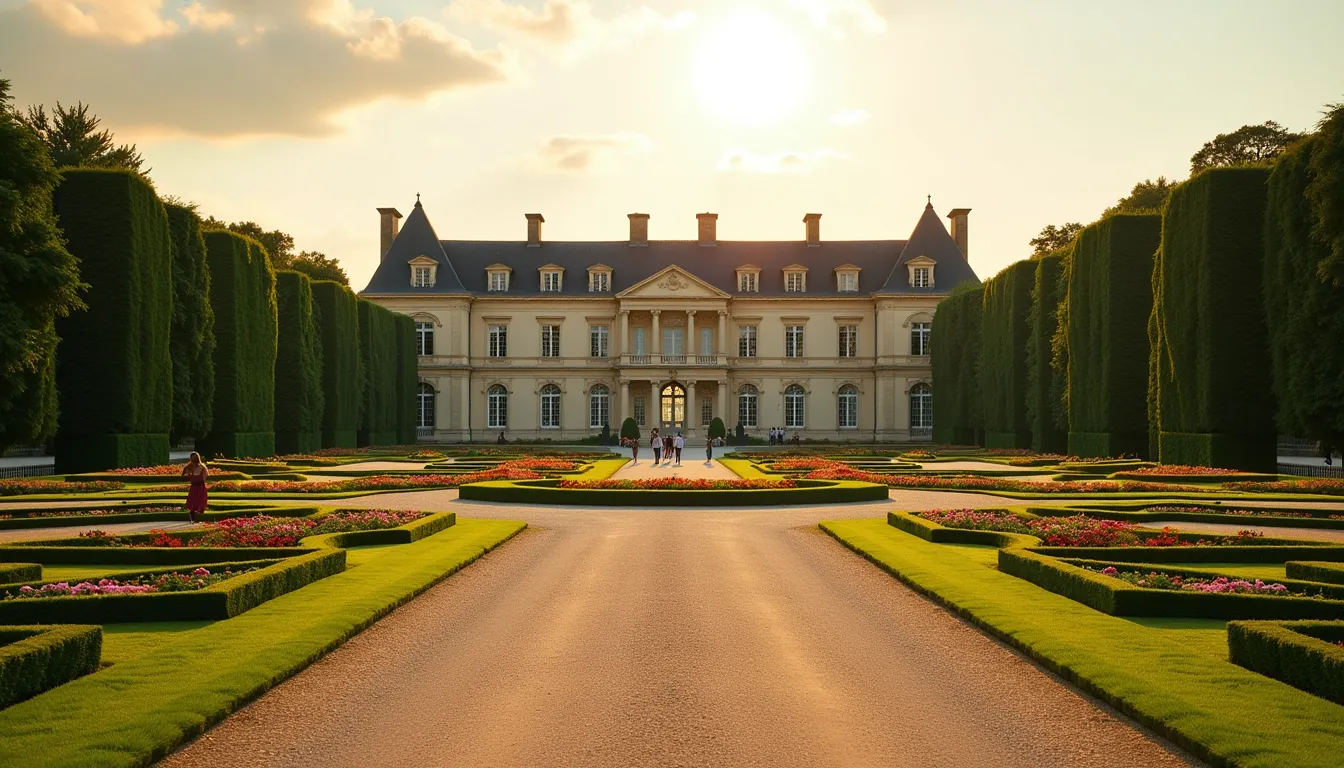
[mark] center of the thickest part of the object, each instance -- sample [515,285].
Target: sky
[307,115]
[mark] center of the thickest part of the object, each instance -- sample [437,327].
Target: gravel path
[606,637]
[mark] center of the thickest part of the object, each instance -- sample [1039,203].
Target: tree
[1248,145]
[1146,197]
[717,430]
[279,245]
[1053,238]
[39,282]
[73,138]
[1326,192]
[629,429]
[319,266]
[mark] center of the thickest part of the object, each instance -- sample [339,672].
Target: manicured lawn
[1165,675]
[170,684]
[123,642]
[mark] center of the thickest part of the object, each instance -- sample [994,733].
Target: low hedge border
[158,479]
[222,601]
[931,531]
[413,531]
[35,659]
[1229,477]
[16,573]
[1294,583]
[547,492]
[237,565]
[169,514]
[1255,553]
[1309,570]
[1139,516]
[1302,654]
[148,556]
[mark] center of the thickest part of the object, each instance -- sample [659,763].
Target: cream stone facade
[553,340]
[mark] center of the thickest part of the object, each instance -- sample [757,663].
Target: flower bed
[977,483]
[99,512]
[539,465]
[1078,530]
[805,464]
[200,578]
[674,492]
[424,455]
[28,487]
[976,520]
[677,484]
[1181,469]
[263,530]
[372,482]
[161,469]
[1319,485]
[1173,510]
[1219,585]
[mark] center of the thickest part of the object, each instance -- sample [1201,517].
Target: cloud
[586,154]
[564,25]
[234,67]
[851,117]
[746,161]
[838,15]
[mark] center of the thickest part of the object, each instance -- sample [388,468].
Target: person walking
[678,443]
[656,443]
[667,450]
[709,451]
[633,442]
[196,473]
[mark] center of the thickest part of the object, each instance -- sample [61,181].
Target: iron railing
[1311,470]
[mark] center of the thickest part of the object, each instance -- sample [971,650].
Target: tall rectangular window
[921,277]
[849,341]
[550,341]
[793,341]
[746,341]
[597,340]
[550,282]
[746,282]
[919,339]
[849,282]
[706,411]
[640,410]
[639,342]
[600,282]
[794,282]
[420,277]
[499,281]
[424,338]
[706,342]
[499,341]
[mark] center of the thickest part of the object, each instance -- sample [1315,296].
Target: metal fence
[10,473]
[1312,470]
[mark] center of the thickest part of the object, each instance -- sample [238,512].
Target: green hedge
[955,338]
[242,295]
[299,402]
[72,554]
[1305,314]
[222,601]
[406,534]
[35,659]
[548,492]
[378,346]
[408,380]
[931,531]
[1211,359]
[342,363]
[1302,654]
[1044,384]
[1004,332]
[1253,553]
[1109,301]
[14,573]
[1330,573]
[114,371]
[192,343]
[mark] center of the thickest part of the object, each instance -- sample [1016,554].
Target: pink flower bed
[198,579]
[976,520]
[26,487]
[677,484]
[1219,585]
[265,531]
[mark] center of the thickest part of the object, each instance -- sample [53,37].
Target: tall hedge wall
[1048,434]
[955,338]
[299,401]
[1211,358]
[113,369]
[242,293]
[192,344]
[1110,298]
[378,345]
[1305,313]
[408,380]
[337,315]
[1004,330]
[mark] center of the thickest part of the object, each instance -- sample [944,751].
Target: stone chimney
[639,228]
[388,227]
[534,222]
[813,226]
[707,226]
[958,217]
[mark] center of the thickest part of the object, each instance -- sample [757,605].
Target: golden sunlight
[750,68]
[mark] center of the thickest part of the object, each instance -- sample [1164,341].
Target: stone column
[656,343]
[624,349]
[722,395]
[653,411]
[692,408]
[723,333]
[625,405]
[692,344]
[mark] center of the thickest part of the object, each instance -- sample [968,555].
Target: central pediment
[672,282]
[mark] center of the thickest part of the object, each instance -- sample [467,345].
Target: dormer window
[748,279]
[795,279]
[423,272]
[921,278]
[498,278]
[921,271]
[599,279]
[847,278]
[551,277]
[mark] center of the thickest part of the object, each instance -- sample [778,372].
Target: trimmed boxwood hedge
[1004,332]
[34,659]
[1211,358]
[73,554]
[378,346]
[408,380]
[955,338]
[931,531]
[342,363]
[192,344]
[1330,573]
[549,492]
[299,402]
[1302,654]
[1109,301]
[14,573]
[1045,385]
[113,371]
[243,297]
[405,534]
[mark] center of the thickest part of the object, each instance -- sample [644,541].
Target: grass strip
[134,713]
[1222,713]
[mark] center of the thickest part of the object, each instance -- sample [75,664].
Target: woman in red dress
[196,474]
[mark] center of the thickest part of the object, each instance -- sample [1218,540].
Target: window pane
[499,341]
[550,341]
[746,341]
[706,342]
[597,335]
[599,403]
[640,412]
[793,341]
[639,341]
[849,341]
[746,407]
[706,411]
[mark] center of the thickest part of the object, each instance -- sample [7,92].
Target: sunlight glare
[751,69]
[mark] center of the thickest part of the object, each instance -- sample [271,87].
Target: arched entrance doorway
[673,406]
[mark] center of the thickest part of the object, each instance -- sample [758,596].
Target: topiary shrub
[629,429]
[192,344]
[1004,330]
[299,401]
[378,346]
[955,338]
[408,379]
[717,430]
[114,371]
[1048,433]
[337,316]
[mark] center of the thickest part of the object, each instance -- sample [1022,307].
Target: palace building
[540,339]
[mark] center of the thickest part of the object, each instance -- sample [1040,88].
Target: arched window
[550,407]
[746,406]
[793,406]
[849,406]
[497,407]
[424,401]
[599,407]
[921,408]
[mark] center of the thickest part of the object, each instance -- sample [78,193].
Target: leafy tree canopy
[279,245]
[1326,192]
[73,138]
[1248,145]
[319,266]
[1147,196]
[1053,238]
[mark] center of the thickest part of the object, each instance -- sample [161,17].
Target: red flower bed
[974,483]
[540,465]
[1320,485]
[26,487]
[976,520]
[161,469]
[266,531]
[676,484]
[798,465]
[1181,469]
[373,482]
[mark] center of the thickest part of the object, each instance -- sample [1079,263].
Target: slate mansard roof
[462,263]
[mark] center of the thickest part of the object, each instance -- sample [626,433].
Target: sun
[751,69]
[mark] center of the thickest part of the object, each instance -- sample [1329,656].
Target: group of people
[777,436]
[666,448]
